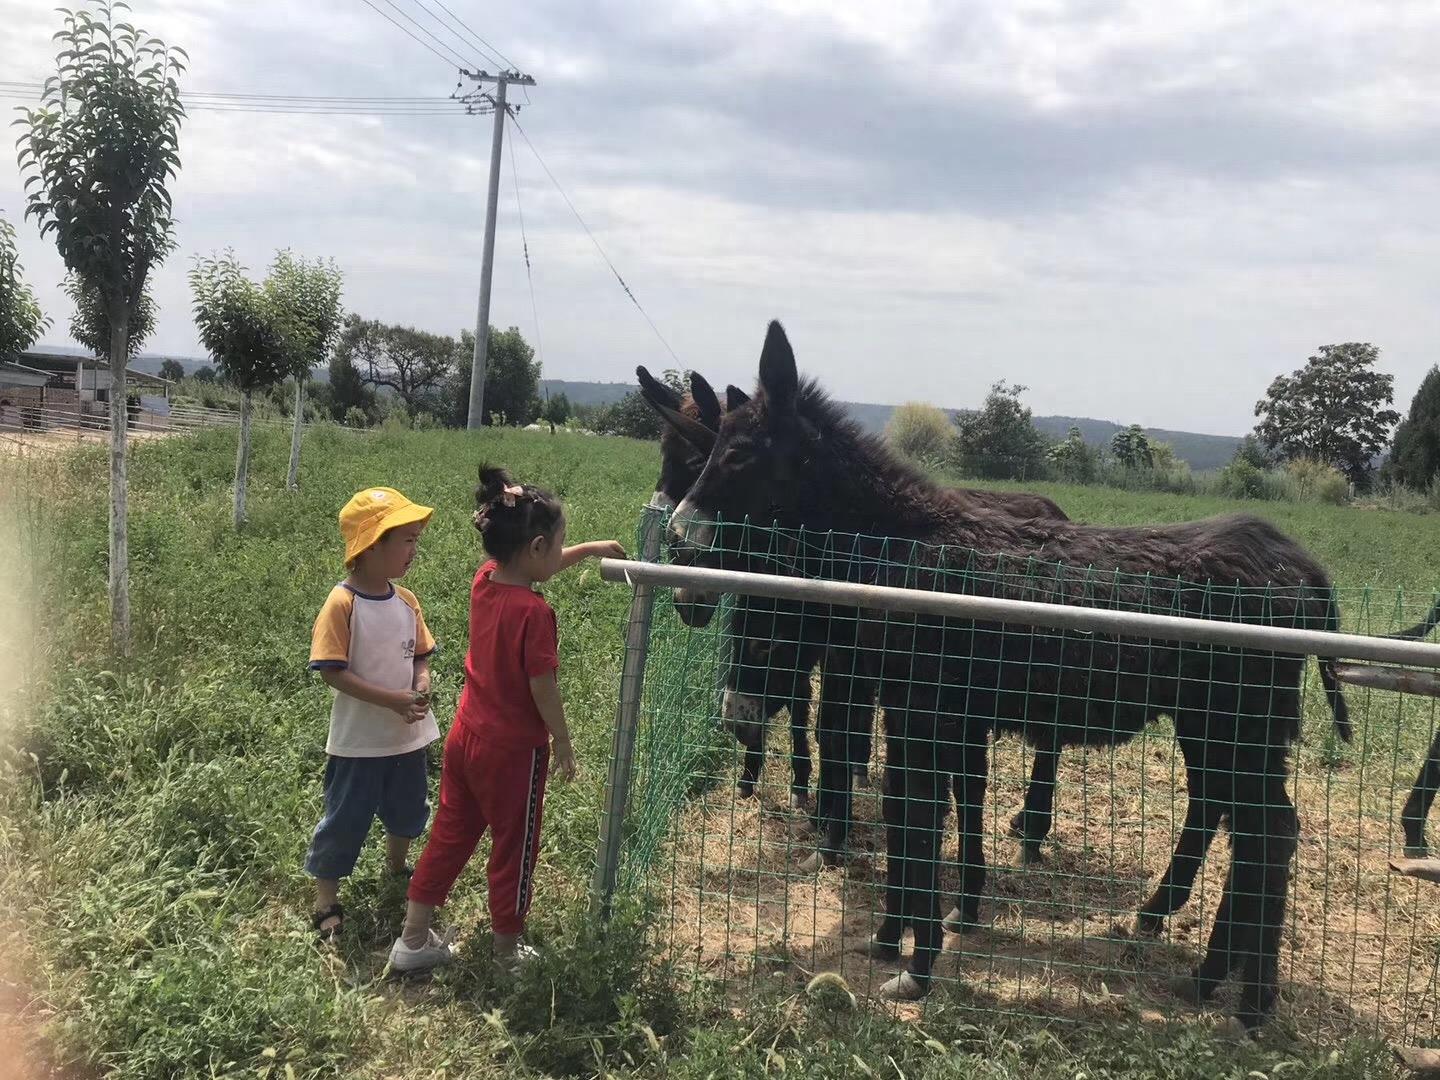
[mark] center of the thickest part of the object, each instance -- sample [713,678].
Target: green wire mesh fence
[754,882]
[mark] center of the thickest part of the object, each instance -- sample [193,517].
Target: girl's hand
[563,761]
[607,549]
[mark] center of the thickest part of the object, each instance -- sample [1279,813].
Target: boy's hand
[563,761]
[411,705]
[607,549]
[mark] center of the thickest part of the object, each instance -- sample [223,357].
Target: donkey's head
[759,464]
[685,440]
[681,459]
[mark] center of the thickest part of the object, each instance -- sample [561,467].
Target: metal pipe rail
[1130,624]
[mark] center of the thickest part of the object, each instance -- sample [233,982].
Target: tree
[512,380]
[1072,459]
[304,295]
[245,338]
[348,392]
[920,432]
[1131,448]
[172,370]
[412,363]
[1415,454]
[205,374]
[97,155]
[556,411]
[1331,410]
[21,320]
[90,321]
[631,416]
[1000,441]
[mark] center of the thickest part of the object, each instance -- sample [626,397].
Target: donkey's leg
[1202,819]
[1204,811]
[927,803]
[862,728]
[1268,842]
[969,780]
[800,750]
[1417,806]
[885,942]
[750,768]
[1032,823]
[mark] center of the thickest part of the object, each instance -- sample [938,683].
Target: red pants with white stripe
[485,787]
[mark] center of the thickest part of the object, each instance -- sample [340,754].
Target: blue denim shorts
[357,791]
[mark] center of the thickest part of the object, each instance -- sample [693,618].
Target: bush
[920,432]
[1315,481]
[355,417]
[1241,479]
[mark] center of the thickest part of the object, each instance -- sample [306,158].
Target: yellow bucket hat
[371,513]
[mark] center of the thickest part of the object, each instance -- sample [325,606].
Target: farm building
[58,389]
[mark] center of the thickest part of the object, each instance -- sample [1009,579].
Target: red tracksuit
[496,756]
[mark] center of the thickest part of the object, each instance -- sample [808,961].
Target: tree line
[1326,427]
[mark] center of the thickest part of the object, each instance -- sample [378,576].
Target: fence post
[627,719]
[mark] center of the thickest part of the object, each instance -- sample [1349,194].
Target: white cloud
[1143,211]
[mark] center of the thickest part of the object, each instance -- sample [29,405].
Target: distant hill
[587,393]
[1202,452]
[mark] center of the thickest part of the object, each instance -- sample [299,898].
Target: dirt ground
[1359,951]
[20,443]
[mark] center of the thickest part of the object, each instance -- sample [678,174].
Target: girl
[495,761]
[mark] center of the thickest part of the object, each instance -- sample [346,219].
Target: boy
[372,647]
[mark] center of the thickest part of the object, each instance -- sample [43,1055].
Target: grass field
[155,914]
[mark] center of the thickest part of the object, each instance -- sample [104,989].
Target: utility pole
[498,106]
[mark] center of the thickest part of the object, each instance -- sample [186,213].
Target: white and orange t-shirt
[379,638]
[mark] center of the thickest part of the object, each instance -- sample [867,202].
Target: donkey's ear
[705,401]
[692,431]
[778,377]
[656,392]
[735,397]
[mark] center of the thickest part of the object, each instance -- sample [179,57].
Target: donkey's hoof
[905,987]
[883,950]
[799,800]
[1031,855]
[861,775]
[957,923]
[1017,826]
[818,860]
[745,790]
[1417,851]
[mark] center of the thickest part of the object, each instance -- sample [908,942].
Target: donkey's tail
[1422,629]
[1339,710]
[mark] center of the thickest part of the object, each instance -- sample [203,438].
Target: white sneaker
[436,952]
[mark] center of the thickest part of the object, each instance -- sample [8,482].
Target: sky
[1142,212]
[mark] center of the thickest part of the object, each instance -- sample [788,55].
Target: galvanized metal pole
[1130,624]
[476,414]
[627,723]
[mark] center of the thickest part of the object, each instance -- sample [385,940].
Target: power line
[525,247]
[596,242]
[294,104]
[480,40]
[488,56]
[448,60]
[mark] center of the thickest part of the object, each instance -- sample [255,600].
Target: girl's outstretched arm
[599,549]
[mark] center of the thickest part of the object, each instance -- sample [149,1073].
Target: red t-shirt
[513,639]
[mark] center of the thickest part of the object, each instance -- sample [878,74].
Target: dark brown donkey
[792,456]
